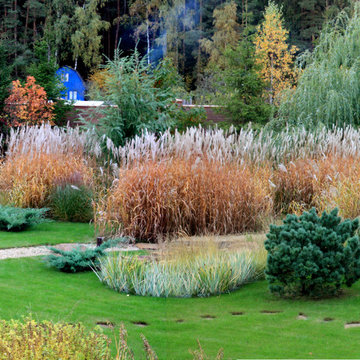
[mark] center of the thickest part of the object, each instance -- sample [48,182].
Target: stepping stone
[106,324]
[140,323]
[352,324]
[302,316]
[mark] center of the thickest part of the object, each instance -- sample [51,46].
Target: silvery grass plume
[213,144]
[239,146]
[52,140]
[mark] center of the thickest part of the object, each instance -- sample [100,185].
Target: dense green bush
[312,256]
[138,98]
[78,260]
[71,203]
[18,219]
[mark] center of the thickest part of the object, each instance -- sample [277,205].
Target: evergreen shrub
[17,219]
[311,255]
[77,259]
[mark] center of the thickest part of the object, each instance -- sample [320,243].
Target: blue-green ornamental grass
[200,273]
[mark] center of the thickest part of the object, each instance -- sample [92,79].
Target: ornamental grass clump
[29,179]
[71,203]
[305,183]
[191,196]
[311,255]
[186,273]
[31,340]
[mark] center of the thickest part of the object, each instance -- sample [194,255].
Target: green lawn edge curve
[50,233]
[264,326]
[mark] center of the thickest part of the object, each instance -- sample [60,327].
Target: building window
[75,95]
[65,77]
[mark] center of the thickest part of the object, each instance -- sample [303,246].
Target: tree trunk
[198,65]
[117,25]
[15,34]
[26,22]
[183,42]
[34,25]
[148,39]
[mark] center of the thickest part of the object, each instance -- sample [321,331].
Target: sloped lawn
[255,331]
[48,234]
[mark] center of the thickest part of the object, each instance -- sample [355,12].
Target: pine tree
[273,53]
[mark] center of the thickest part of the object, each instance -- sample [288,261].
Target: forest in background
[79,33]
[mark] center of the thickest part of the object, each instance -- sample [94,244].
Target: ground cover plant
[311,255]
[51,233]
[172,325]
[185,271]
[17,219]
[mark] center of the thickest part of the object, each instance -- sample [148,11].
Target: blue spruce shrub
[312,256]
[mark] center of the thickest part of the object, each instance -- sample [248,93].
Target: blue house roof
[74,84]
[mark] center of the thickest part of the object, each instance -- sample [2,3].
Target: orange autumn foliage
[28,104]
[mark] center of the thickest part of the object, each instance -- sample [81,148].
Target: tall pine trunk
[117,24]
[26,22]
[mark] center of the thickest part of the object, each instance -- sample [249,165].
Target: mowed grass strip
[268,327]
[51,233]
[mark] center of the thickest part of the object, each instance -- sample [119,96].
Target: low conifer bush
[311,255]
[18,219]
[78,259]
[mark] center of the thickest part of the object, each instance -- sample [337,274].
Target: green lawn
[27,285]
[48,234]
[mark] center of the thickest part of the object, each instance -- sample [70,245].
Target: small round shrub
[71,203]
[312,256]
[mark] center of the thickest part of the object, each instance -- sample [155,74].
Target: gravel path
[43,250]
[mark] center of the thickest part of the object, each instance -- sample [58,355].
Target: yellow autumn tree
[273,54]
